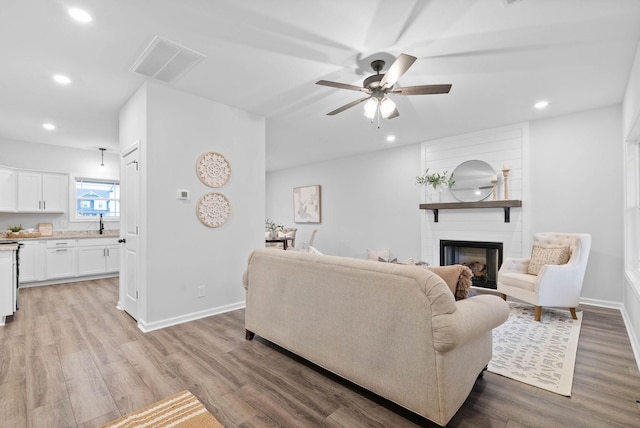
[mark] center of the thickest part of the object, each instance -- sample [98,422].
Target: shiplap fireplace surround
[498,147]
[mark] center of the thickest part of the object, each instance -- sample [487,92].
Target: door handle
[122,241]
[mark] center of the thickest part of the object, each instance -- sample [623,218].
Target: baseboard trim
[66,280]
[168,322]
[633,336]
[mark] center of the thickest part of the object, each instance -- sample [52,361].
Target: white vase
[434,194]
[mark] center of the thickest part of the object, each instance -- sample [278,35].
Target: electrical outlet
[201,291]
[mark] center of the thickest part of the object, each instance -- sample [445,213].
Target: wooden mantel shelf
[506,205]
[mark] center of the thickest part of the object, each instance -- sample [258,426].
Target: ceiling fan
[379,85]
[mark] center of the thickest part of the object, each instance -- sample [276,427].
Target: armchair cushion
[547,255]
[523,281]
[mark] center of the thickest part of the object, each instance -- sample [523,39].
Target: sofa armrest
[515,265]
[472,317]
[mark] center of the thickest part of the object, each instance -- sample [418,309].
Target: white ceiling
[264,56]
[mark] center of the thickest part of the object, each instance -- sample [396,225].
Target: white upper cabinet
[7,189]
[42,192]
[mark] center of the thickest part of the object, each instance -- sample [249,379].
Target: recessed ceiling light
[62,79]
[80,15]
[49,126]
[541,104]
[391,138]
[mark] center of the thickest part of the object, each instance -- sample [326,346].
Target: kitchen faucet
[101,229]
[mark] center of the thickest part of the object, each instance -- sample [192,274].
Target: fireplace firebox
[483,258]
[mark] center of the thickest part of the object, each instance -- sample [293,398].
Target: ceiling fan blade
[347,106]
[394,113]
[341,85]
[397,69]
[422,90]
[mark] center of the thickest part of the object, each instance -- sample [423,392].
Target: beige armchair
[557,284]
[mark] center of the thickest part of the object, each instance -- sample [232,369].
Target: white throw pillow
[288,235]
[378,255]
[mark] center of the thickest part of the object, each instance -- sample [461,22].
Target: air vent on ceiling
[165,60]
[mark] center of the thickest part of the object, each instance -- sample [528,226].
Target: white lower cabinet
[54,259]
[97,256]
[61,258]
[32,261]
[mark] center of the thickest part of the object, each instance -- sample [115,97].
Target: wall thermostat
[184,195]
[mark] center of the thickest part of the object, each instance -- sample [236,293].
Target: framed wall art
[306,204]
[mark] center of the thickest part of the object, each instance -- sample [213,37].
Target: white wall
[371,201]
[368,201]
[181,252]
[48,158]
[576,180]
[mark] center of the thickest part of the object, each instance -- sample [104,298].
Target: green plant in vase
[272,227]
[15,229]
[437,181]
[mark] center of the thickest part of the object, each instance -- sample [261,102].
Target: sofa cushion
[457,277]
[547,255]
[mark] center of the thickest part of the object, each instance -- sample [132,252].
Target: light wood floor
[69,358]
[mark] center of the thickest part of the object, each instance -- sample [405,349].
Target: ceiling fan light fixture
[80,15]
[370,108]
[387,107]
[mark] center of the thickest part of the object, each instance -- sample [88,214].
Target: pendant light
[102,156]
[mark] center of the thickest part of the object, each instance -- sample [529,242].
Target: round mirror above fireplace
[473,181]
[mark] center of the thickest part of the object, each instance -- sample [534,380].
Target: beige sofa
[393,329]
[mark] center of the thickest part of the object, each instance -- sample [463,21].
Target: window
[95,197]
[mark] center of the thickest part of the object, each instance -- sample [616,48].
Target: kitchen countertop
[65,234]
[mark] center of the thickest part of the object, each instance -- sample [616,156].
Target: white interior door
[130,226]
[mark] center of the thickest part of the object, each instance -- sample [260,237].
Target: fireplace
[483,258]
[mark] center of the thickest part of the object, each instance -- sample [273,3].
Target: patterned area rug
[542,353]
[182,410]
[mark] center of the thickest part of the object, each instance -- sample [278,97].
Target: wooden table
[282,240]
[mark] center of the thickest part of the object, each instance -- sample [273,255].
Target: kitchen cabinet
[97,256]
[8,291]
[56,260]
[61,258]
[7,189]
[32,261]
[42,192]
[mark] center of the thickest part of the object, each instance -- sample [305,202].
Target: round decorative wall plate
[213,169]
[213,209]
